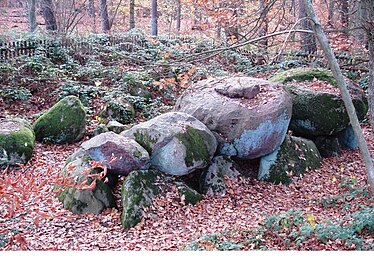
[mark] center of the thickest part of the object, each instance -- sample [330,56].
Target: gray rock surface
[17,141]
[121,154]
[249,116]
[177,143]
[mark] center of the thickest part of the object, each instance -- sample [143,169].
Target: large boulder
[119,110]
[77,193]
[137,193]
[212,180]
[177,143]
[319,110]
[121,154]
[65,122]
[17,141]
[249,116]
[292,159]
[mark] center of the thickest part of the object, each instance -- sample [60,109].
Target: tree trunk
[367,21]
[345,13]
[344,92]
[154,17]
[330,18]
[105,24]
[179,15]
[32,15]
[308,41]
[263,30]
[49,15]
[92,13]
[132,14]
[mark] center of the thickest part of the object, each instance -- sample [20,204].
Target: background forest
[151,51]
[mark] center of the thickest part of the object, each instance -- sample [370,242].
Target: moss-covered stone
[119,110]
[212,180]
[137,193]
[316,112]
[189,195]
[196,149]
[65,122]
[304,74]
[328,146]
[78,200]
[145,140]
[294,157]
[17,141]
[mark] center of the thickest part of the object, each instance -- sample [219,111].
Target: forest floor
[32,218]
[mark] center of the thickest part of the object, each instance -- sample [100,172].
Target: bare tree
[105,24]
[317,27]
[132,14]
[32,15]
[154,17]
[308,41]
[179,15]
[367,20]
[49,15]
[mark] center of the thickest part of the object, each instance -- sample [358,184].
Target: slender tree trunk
[367,21]
[330,18]
[49,15]
[154,17]
[132,14]
[263,30]
[179,15]
[344,92]
[264,24]
[32,15]
[308,41]
[92,13]
[105,24]
[345,13]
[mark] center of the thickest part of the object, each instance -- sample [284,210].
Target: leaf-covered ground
[38,222]
[313,213]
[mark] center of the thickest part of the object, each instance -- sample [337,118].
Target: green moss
[145,141]
[63,123]
[196,149]
[304,74]
[190,196]
[17,146]
[121,111]
[295,157]
[137,193]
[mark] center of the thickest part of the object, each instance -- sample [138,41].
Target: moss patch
[65,122]
[196,149]
[17,146]
[145,140]
[137,193]
[304,74]
[295,157]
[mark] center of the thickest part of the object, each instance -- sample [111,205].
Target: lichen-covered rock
[117,127]
[292,159]
[187,194]
[79,200]
[101,128]
[65,122]
[137,193]
[119,110]
[249,116]
[304,74]
[212,180]
[178,143]
[328,146]
[319,112]
[121,154]
[17,141]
